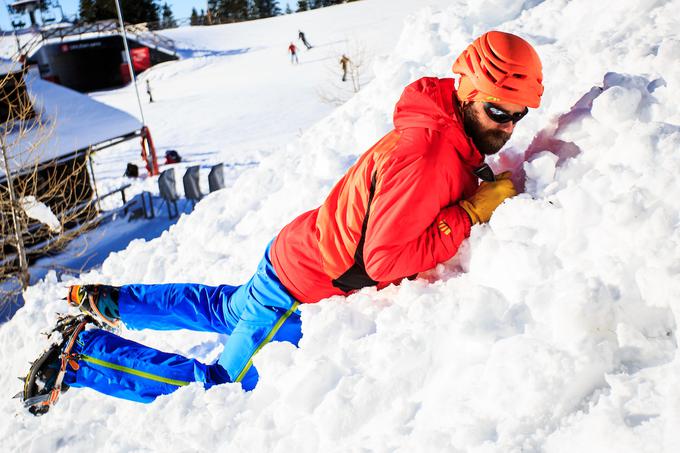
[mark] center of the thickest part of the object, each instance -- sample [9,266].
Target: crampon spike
[50,367]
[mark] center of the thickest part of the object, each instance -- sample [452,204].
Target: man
[148,91]
[404,206]
[303,38]
[293,53]
[344,62]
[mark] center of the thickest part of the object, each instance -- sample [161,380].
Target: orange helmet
[500,67]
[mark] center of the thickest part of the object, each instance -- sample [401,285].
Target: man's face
[488,135]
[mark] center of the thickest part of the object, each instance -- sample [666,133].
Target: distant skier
[405,205]
[344,62]
[148,91]
[301,37]
[293,54]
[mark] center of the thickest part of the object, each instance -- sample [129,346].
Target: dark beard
[487,141]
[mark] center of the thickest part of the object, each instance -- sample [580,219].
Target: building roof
[8,66]
[72,122]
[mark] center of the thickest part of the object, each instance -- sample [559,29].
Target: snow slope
[553,329]
[237,98]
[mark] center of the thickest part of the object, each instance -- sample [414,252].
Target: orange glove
[489,195]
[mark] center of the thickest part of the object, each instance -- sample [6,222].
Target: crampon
[44,383]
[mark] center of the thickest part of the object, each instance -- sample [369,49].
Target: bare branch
[62,184]
[337,91]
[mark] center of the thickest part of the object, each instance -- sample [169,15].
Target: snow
[554,328]
[8,66]
[41,212]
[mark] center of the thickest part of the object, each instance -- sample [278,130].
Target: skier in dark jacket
[404,206]
[301,37]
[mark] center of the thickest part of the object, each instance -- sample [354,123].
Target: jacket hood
[428,103]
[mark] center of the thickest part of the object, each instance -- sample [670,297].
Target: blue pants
[252,315]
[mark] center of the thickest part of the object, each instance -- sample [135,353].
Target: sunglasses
[500,116]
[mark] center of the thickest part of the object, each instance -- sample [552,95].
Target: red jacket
[395,212]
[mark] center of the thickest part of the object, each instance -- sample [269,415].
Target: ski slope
[553,329]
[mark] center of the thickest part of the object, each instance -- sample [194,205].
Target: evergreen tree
[194,20]
[147,11]
[241,10]
[134,11]
[233,10]
[213,5]
[168,19]
[86,11]
[324,3]
[224,11]
[288,10]
[254,10]
[212,13]
[303,5]
[268,8]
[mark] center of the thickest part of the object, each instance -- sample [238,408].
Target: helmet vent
[491,63]
[490,76]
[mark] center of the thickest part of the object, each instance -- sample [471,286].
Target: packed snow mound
[39,211]
[553,329]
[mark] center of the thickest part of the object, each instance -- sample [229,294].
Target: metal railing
[144,33]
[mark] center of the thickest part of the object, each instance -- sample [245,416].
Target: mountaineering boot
[44,382]
[98,301]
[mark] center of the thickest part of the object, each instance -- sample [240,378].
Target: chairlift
[16,17]
[192,187]
[168,191]
[48,11]
[216,177]
[24,6]
[47,17]
[18,8]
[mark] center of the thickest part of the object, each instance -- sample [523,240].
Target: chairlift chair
[192,188]
[168,191]
[216,177]
[47,17]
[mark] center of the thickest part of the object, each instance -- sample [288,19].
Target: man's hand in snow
[488,197]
